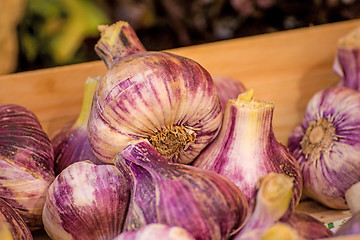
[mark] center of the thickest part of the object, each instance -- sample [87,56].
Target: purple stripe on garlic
[246,148]
[165,98]
[327,145]
[86,201]
[204,203]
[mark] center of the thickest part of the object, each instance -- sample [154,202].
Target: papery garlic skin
[26,163]
[156,231]
[246,148]
[86,201]
[206,204]
[12,226]
[327,145]
[71,144]
[165,98]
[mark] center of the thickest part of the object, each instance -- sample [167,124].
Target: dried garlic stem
[117,41]
[281,231]
[347,61]
[89,89]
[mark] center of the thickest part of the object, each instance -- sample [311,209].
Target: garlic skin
[12,226]
[204,203]
[165,98]
[327,145]
[156,231]
[228,88]
[86,201]
[71,144]
[26,163]
[246,148]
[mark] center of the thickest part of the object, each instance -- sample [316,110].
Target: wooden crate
[285,67]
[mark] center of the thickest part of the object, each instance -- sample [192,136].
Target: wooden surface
[285,67]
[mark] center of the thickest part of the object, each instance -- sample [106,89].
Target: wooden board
[285,67]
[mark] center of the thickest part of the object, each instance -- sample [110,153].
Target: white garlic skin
[149,93]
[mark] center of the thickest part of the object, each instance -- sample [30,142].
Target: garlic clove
[206,204]
[165,98]
[156,231]
[86,201]
[246,148]
[326,145]
[26,163]
[12,226]
[352,197]
[71,144]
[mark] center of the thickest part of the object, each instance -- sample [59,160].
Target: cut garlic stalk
[246,148]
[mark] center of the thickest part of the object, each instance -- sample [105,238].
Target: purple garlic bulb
[206,204]
[71,144]
[86,201]
[228,88]
[12,226]
[156,231]
[26,163]
[246,148]
[165,98]
[327,145]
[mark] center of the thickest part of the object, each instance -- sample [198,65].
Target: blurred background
[37,34]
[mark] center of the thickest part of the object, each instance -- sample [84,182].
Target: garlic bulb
[352,197]
[206,204]
[327,145]
[26,163]
[86,201]
[246,148]
[156,231]
[71,144]
[272,202]
[227,88]
[168,99]
[12,226]
[347,61]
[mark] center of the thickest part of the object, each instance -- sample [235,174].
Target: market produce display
[154,154]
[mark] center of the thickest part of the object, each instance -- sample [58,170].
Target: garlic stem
[89,90]
[352,196]
[347,62]
[272,202]
[281,231]
[117,41]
